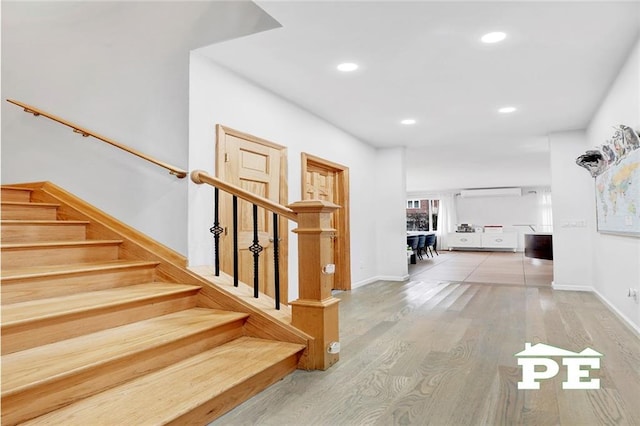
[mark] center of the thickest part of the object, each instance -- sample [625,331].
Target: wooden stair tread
[17,188]
[56,244]
[35,310]
[28,203]
[4,222]
[67,269]
[159,397]
[47,363]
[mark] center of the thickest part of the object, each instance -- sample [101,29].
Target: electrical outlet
[329,269]
[633,293]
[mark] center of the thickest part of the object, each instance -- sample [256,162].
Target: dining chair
[430,243]
[422,239]
[412,241]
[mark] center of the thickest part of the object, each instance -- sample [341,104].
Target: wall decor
[616,168]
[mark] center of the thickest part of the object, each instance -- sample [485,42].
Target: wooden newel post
[316,310]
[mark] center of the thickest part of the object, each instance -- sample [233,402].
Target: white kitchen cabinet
[478,240]
[505,240]
[465,239]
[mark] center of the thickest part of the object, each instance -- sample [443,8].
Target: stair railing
[315,311]
[179,173]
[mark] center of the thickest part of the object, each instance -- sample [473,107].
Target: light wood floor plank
[432,351]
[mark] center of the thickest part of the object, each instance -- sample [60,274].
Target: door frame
[342,248]
[283,223]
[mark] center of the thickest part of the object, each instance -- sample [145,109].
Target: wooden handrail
[200,177]
[179,173]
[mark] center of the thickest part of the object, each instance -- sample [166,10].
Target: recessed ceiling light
[494,37]
[408,121]
[507,110]
[347,67]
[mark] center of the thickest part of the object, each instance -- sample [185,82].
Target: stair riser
[39,332]
[47,256]
[14,194]
[230,399]
[22,290]
[19,407]
[23,233]
[28,212]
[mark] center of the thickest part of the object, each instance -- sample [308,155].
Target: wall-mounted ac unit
[491,192]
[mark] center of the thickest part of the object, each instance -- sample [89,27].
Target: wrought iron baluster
[255,248]
[235,241]
[216,230]
[276,260]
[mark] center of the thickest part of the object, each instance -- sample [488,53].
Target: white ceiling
[424,60]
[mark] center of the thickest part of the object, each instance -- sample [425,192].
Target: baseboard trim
[569,287]
[393,278]
[363,282]
[626,320]
[379,278]
[623,318]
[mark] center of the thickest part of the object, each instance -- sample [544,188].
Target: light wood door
[257,166]
[329,181]
[319,184]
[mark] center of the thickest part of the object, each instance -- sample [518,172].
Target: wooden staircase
[95,331]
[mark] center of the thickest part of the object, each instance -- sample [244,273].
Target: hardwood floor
[433,351]
[485,267]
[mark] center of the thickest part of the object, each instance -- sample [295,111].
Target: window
[422,215]
[545,215]
[413,204]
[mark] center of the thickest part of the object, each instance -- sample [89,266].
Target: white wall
[505,210]
[391,229]
[616,259]
[583,258]
[573,198]
[218,96]
[474,165]
[119,69]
